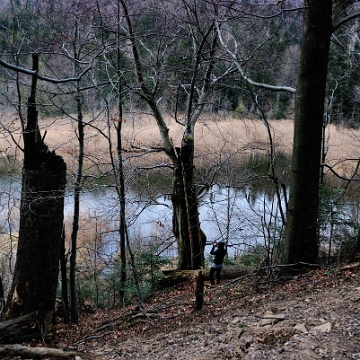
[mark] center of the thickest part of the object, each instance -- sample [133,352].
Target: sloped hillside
[315,316]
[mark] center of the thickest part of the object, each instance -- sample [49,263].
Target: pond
[243,218]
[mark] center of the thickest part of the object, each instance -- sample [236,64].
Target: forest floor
[313,316]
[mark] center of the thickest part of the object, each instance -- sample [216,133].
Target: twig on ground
[350,266]
[254,272]
[92,337]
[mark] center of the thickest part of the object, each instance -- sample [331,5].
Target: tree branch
[274,15]
[338,175]
[345,20]
[41,77]
[242,72]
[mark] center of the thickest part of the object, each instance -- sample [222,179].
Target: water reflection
[235,216]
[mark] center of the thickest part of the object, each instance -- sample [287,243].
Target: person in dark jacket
[219,251]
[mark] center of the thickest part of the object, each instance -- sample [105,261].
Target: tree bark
[41,222]
[186,224]
[301,231]
[2,295]
[120,175]
[199,291]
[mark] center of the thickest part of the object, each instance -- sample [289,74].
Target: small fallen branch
[92,337]
[128,318]
[350,267]
[42,352]
[298,265]
[122,322]
[168,306]
[271,317]
[119,327]
[254,272]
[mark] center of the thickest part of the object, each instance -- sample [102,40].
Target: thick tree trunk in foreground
[41,222]
[41,219]
[301,233]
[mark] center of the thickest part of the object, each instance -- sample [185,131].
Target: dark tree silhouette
[301,237]
[41,221]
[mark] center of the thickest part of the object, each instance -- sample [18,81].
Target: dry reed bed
[214,138]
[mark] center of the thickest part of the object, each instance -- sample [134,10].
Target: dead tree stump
[199,291]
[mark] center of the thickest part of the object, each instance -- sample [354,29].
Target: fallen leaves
[295,317]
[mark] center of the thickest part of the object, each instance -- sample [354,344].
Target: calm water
[237,217]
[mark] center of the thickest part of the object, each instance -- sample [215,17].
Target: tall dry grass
[215,136]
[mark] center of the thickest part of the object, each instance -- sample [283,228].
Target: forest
[134,134]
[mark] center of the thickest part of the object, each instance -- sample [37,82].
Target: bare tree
[196,27]
[41,220]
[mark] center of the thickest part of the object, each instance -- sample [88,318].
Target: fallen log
[174,277]
[42,352]
[35,325]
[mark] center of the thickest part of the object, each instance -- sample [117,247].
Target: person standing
[219,251]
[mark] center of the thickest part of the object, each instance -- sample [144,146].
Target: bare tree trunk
[180,220]
[121,194]
[301,231]
[64,284]
[186,223]
[78,181]
[76,216]
[41,222]
[120,173]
